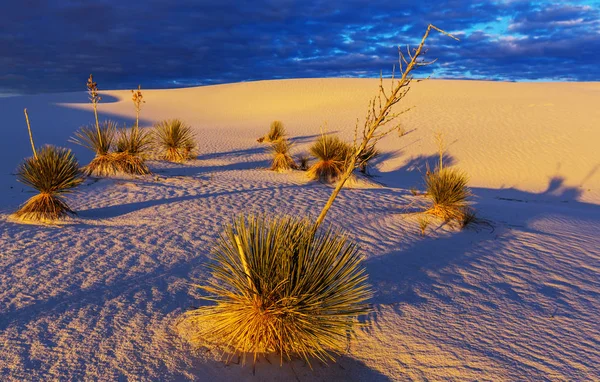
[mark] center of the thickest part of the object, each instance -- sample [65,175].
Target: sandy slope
[97,298]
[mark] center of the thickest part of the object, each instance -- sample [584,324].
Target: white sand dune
[97,298]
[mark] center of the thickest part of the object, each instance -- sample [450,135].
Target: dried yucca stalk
[279,287]
[282,159]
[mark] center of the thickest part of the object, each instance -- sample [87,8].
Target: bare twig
[30,135]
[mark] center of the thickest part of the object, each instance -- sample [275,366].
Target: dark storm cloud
[53,46]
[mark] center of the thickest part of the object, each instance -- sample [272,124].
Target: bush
[174,141]
[448,192]
[54,172]
[304,161]
[276,132]
[332,155]
[100,141]
[282,160]
[132,148]
[279,288]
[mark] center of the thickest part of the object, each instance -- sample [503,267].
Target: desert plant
[174,140]
[423,224]
[365,158]
[279,287]
[92,88]
[448,193]
[100,141]
[276,132]
[282,160]
[132,148]
[332,156]
[304,161]
[52,171]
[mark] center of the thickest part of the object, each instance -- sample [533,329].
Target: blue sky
[52,46]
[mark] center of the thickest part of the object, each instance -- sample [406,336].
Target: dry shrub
[448,192]
[276,132]
[53,172]
[278,287]
[174,141]
[282,160]
[332,156]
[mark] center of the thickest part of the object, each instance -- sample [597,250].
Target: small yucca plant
[278,287]
[365,157]
[282,160]
[304,161]
[100,140]
[54,172]
[332,158]
[448,192]
[276,132]
[174,141]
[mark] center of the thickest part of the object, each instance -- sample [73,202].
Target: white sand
[97,298]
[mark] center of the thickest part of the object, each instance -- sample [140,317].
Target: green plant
[280,287]
[100,141]
[174,140]
[53,172]
[132,149]
[448,192]
[282,160]
[364,158]
[276,132]
[332,158]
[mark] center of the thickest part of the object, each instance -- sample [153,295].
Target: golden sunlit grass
[332,156]
[282,160]
[174,141]
[53,172]
[279,288]
[448,192]
[365,157]
[100,140]
[133,147]
[276,132]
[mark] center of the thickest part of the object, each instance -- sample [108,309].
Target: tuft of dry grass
[423,224]
[448,192]
[332,156]
[53,172]
[282,160]
[304,161]
[132,148]
[279,287]
[174,141]
[276,132]
[99,140]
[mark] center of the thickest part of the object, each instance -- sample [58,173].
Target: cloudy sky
[52,46]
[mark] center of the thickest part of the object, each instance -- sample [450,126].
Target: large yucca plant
[54,172]
[282,159]
[174,141]
[279,287]
[448,193]
[332,156]
[99,140]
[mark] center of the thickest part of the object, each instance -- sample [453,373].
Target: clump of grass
[332,156]
[304,161]
[54,172]
[132,148]
[448,192]
[174,141]
[281,287]
[276,132]
[365,157]
[423,224]
[469,218]
[282,160]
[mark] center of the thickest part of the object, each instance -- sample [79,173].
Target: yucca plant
[447,190]
[52,171]
[276,132]
[365,157]
[304,161]
[174,141]
[280,287]
[100,140]
[282,160]
[133,147]
[332,156]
